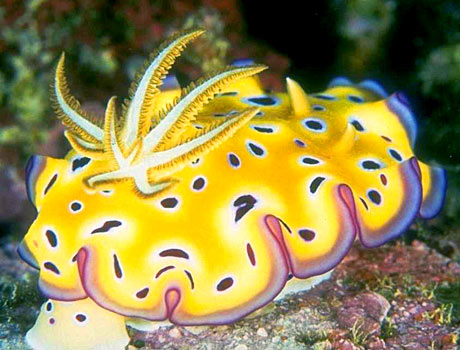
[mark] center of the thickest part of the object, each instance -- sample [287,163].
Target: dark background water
[409,46]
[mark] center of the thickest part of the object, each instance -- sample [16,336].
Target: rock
[13,194]
[365,310]
[344,345]
[241,347]
[261,332]
[196,329]
[377,344]
[346,315]
[175,333]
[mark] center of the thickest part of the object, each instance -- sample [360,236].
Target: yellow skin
[282,186]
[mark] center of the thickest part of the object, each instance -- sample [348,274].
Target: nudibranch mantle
[200,205]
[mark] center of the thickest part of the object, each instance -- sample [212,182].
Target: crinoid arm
[146,86]
[68,110]
[85,148]
[151,159]
[178,117]
[147,143]
[151,173]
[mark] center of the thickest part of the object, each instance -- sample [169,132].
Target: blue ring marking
[243,62]
[398,104]
[374,87]
[339,81]
[434,201]
[34,167]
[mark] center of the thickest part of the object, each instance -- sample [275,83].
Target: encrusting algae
[198,206]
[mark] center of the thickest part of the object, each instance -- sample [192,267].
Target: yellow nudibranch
[198,206]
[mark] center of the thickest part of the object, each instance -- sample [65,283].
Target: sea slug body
[201,205]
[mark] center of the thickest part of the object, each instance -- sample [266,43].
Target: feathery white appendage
[111,176]
[85,148]
[153,138]
[145,187]
[131,149]
[90,146]
[112,139]
[138,175]
[157,69]
[114,146]
[60,91]
[163,157]
[173,157]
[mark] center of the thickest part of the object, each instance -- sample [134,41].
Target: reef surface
[394,297]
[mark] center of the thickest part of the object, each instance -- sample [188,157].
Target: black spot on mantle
[395,154]
[245,204]
[375,197]
[234,160]
[80,163]
[263,100]
[51,267]
[307,235]
[117,267]
[256,150]
[263,129]
[108,225]
[175,253]
[316,183]
[357,125]
[169,202]
[370,165]
[50,183]
[225,284]
[52,238]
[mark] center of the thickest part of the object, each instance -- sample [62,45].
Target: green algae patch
[448,294]
[19,302]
